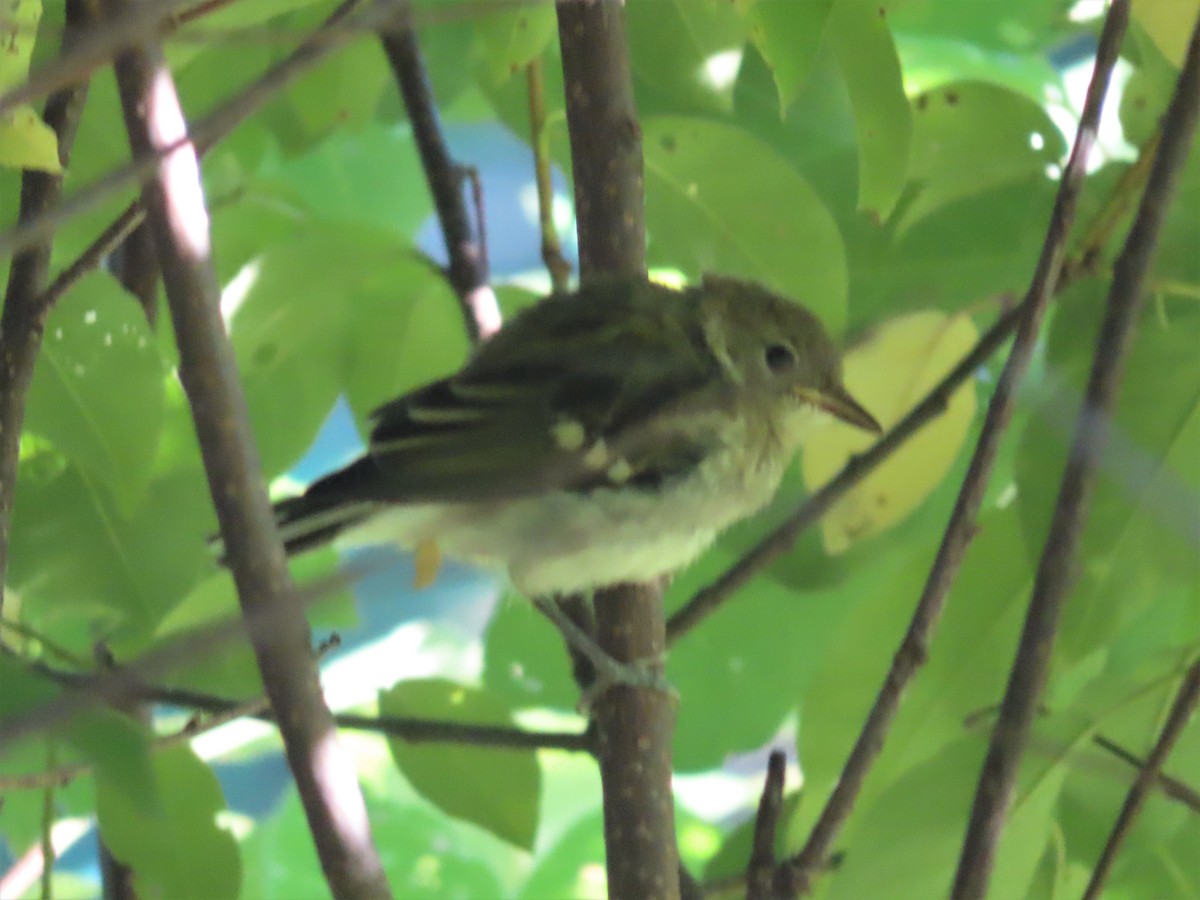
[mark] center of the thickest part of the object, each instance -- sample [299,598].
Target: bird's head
[774,348]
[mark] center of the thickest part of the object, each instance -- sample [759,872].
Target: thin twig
[468,268]
[1171,787]
[1053,580]
[1148,776]
[344,23]
[22,320]
[961,529]
[539,140]
[760,872]
[91,51]
[221,712]
[175,210]
[780,541]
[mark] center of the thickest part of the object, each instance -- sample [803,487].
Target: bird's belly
[568,542]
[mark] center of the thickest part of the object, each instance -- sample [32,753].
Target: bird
[602,436]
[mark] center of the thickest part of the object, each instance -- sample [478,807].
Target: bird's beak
[839,404]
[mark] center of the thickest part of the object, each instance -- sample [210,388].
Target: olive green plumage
[601,436]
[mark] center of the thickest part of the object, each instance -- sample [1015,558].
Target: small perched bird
[600,437]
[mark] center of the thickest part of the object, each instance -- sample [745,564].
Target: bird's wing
[579,408]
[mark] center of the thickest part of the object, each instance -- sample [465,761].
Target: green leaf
[86,568]
[866,55]
[906,844]
[119,748]
[516,35]
[789,35]
[97,391]
[707,187]
[290,330]
[364,178]
[687,51]
[1142,535]
[178,851]
[525,661]
[407,331]
[971,136]
[26,142]
[16,46]
[496,789]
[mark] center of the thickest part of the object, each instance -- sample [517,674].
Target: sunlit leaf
[1168,23]
[514,35]
[971,136]
[97,391]
[496,789]
[889,373]
[707,187]
[179,850]
[26,142]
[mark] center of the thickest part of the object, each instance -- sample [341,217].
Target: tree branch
[539,141]
[468,269]
[1053,580]
[343,24]
[634,726]
[175,209]
[1148,776]
[23,319]
[760,872]
[961,529]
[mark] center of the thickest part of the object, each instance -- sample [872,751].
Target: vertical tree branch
[1054,576]
[606,139]
[175,209]
[961,528]
[23,317]
[468,268]
[1148,776]
[634,727]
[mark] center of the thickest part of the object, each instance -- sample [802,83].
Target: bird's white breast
[566,542]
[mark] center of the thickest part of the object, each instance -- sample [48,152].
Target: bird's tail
[316,517]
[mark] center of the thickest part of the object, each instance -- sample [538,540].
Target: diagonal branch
[468,269]
[175,211]
[962,526]
[1148,776]
[1053,580]
[350,19]
[23,318]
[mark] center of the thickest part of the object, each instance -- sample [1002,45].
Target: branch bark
[468,268]
[1148,776]
[349,19]
[1053,581]
[634,727]
[24,317]
[913,650]
[175,208]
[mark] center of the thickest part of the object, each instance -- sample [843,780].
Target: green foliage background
[867,158]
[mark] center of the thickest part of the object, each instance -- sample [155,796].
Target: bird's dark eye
[780,358]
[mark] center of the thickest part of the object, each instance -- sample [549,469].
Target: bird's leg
[595,669]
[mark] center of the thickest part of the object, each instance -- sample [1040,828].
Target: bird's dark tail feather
[315,517]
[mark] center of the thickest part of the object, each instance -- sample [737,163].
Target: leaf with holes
[97,391]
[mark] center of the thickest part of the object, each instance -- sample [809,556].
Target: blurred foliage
[886,163]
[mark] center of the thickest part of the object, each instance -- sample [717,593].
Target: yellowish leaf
[1168,23]
[26,142]
[888,373]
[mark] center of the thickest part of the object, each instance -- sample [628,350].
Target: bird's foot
[607,672]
